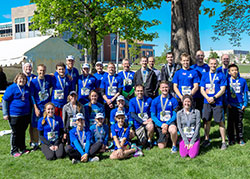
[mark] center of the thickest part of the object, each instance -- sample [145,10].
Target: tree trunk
[94,49]
[185,28]
[126,49]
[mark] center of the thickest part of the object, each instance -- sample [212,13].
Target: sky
[164,29]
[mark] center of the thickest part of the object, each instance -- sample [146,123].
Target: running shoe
[74,161]
[174,150]
[242,143]
[17,154]
[206,143]
[223,146]
[25,151]
[94,159]
[139,153]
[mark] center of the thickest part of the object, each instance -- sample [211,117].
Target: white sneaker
[74,161]
[94,159]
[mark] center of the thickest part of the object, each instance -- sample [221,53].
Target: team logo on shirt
[146,104]
[204,70]
[184,73]
[216,78]
[67,84]
[89,82]
[170,103]
[190,76]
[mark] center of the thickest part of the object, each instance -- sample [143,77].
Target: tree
[213,54]
[162,58]
[90,20]
[134,51]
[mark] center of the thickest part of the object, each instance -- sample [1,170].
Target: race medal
[59,94]
[23,98]
[210,88]
[188,131]
[143,116]
[186,90]
[73,122]
[43,95]
[165,116]
[52,136]
[85,91]
[170,79]
[127,82]
[112,90]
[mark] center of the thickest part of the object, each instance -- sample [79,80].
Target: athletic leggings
[52,155]
[94,149]
[192,152]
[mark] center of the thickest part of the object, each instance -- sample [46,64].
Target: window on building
[20,25]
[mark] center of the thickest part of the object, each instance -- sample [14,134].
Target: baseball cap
[99,115]
[120,97]
[99,63]
[80,116]
[72,92]
[70,57]
[119,113]
[85,65]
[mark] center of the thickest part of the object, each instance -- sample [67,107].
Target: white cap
[119,113]
[80,116]
[99,115]
[99,63]
[120,97]
[85,65]
[70,57]
[72,92]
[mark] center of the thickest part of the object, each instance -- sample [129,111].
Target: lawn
[211,163]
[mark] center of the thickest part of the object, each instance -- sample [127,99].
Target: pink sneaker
[17,154]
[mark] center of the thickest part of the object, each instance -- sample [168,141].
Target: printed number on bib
[188,131]
[186,90]
[59,94]
[85,91]
[112,90]
[52,136]
[236,87]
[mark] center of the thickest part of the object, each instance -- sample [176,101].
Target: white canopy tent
[38,50]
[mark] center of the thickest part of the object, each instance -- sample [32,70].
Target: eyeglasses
[200,55]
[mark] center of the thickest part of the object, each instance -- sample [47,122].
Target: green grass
[211,163]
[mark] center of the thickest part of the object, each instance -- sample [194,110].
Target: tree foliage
[90,20]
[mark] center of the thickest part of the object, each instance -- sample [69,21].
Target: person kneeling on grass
[79,149]
[120,133]
[188,122]
[100,133]
[51,133]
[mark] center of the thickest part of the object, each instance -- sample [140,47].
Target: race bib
[143,116]
[210,88]
[186,90]
[165,116]
[59,94]
[127,82]
[73,122]
[188,131]
[52,136]
[85,91]
[112,90]
[43,95]
[236,87]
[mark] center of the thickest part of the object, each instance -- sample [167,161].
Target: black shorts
[198,104]
[210,110]
[162,138]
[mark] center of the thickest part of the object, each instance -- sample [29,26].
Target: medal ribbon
[163,107]
[41,87]
[52,127]
[170,73]
[73,110]
[81,138]
[142,104]
[62,84]
[84,83]
[111,83]
[144,76]
[22,92]
[126,77]
[212,80]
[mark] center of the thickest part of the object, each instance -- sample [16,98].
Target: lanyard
[84,83]
[73,110]
[142,105]
[99,134]
[126,77]
[210,78]
[170,73]
[29,80]
[144,75]
[231,81]
[111,83]
[52,127]
[71,74]
[41,87]
[62,84]
[224,71]
[81,138]
[22,92]
[163,107]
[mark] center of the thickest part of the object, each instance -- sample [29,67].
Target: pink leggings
[192,152]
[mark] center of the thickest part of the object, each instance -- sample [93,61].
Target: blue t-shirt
[17,106]
[127,80]
[90,115]
[74,74]
[219,81]
[120,133]
[60,91]
[161,116]
[128,119]
[89,82]
[99,133]
[109,88]
[185,79]
[99,78]
[41,97]
[223,70]
[30,78]
[133,107]
[49,128]
[200,70]
[237,92]
[75,140]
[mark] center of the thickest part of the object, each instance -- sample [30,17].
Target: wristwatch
[214,98]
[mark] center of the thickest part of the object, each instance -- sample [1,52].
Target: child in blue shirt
[237,98]
[80,140]
[100,133]
[164,116]
[50,129]
[120,134]
[86,83]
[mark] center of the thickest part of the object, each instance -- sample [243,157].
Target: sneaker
[139,153]
[94,159]
[36,147]
[74,161]
[174,150]
[17,154]
[25,151]
[206,143]
[150,145]
[223,146]
[242,143]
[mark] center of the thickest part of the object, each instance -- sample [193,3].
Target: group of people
[85,115]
